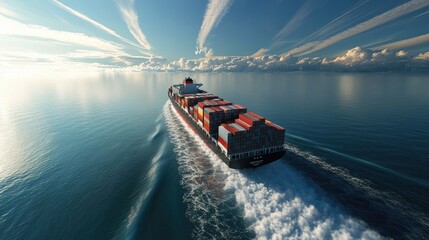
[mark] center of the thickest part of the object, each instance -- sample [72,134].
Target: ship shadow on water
[357,201]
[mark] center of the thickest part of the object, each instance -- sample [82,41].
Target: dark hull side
[250,162]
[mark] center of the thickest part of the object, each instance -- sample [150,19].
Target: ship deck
[250,162]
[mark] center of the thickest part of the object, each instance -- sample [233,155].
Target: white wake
[276,201]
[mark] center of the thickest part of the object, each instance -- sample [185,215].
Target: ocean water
[104,156]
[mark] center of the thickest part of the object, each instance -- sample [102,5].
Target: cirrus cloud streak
[394,13]
[14,28]
[129,15]
[214,14]
[406,43]
[95,23]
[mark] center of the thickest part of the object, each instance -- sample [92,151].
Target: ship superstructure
[241,138]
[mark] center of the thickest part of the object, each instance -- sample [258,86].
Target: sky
[215,35]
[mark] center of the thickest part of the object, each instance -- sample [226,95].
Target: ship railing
[254,153]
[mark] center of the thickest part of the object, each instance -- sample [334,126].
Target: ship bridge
[187,87]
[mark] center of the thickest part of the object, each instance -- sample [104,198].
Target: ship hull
[250,162]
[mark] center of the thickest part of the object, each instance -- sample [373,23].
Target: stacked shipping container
[251,134]
[209,104]
[193,99]
[240,133]
[212,119]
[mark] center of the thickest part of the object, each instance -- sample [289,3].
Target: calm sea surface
[104,156]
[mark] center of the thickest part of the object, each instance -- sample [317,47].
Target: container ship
[242,139]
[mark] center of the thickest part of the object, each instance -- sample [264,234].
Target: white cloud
[65,47]
[355,59]
[35,63]
[423,56]
[402,53]
[6,12]
[93,22]
[15,28]
[394,13]
[129,14]
[89,54]
[216,9]
[26,58]
[352,56]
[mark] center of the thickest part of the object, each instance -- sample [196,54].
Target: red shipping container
[242,123]
[240,106]
[278,128]
[222,142]
[217,109]
[247,119]
[201,105]
[230,129]
[256,116]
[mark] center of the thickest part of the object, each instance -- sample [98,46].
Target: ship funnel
[188,80]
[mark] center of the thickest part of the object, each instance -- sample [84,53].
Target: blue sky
[175,34]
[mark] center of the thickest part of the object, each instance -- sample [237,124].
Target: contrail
[95,23]
[214,13]
[260,52]
[406,43]
[339,22]
[295,22]
[129,14]
[302,13]
[394,13]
